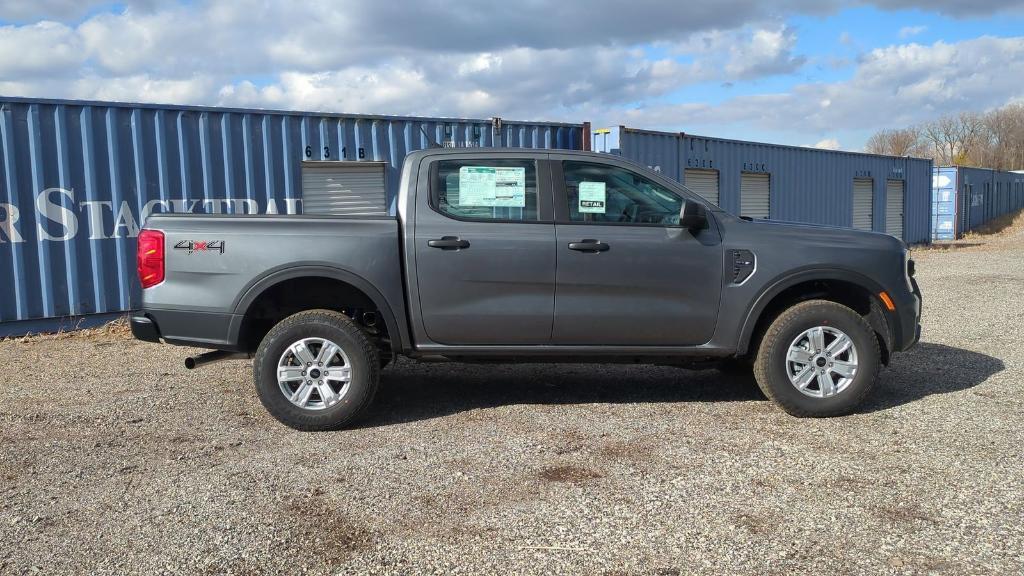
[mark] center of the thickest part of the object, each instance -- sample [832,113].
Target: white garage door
[894,208]
[344,188]
[863,215]
[755,195]
[703,182]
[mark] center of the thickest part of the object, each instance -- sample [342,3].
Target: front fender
[780,284]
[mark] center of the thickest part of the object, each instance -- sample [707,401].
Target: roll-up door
[894,208]
[344,188]
[863,206]
[755,195]
[703,182]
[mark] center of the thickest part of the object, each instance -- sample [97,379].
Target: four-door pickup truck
[500,255]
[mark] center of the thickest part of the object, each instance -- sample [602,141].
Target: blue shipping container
[77,180]
[944,204]
[971,197]
[806,184]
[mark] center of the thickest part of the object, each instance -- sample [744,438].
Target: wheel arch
[828,283]
[273,278]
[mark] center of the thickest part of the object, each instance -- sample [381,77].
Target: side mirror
[692,216]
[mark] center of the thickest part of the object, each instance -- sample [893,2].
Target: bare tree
[1004,133]
[994,139]
[897,142]
[954,137]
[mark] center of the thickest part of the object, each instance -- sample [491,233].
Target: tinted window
[481,189]
[602,193]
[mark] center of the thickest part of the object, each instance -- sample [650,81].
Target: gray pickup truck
[500,255]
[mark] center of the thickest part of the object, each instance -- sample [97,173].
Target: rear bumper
[186,328]
[143,328]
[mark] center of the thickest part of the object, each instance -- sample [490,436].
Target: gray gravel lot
[115,459]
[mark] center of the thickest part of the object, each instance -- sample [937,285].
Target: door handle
[448,243]
[588,245]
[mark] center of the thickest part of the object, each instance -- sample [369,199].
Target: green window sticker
[591,198]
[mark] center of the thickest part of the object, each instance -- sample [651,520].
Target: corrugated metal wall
[980,195]
[807,185]
[77,179]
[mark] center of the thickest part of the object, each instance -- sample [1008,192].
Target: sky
[825,73]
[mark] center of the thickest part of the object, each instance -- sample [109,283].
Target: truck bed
[217,264]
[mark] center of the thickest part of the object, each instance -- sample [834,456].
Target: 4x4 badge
[193,246]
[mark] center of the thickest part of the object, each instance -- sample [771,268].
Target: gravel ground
[115,459]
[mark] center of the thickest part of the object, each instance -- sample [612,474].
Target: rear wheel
[316,370]
[818,359]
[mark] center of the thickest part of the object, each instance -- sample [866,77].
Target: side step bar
[193,362]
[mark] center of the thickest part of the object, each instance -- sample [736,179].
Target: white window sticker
[592,198]
[488,186]
[510,187]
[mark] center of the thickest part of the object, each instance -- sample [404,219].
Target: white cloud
[825,144]
[38,49]
[892,86]
[536,60]
[909,31]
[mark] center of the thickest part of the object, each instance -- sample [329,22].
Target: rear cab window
[486,189]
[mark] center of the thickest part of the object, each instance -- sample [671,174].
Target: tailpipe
[193,362]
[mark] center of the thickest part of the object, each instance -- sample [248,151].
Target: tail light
[151,257]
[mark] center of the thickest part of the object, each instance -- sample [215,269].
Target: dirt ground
[114,459]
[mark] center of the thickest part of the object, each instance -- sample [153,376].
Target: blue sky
[805,72]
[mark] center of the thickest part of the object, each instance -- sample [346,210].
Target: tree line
[993,139]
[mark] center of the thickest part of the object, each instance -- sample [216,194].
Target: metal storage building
[77,179]
[882,193]
[965,198]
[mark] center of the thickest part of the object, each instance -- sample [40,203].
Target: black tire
[770,365]
[363,359]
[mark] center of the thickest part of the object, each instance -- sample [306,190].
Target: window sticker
[476,186]
[492,187]
[510,187]
[591,198]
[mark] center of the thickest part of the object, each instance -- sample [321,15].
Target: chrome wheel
[314,373]
[821,362]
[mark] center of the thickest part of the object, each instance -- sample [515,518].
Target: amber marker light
[887,301]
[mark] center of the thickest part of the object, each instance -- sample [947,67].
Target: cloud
[892,86]
[956,8]
[908,31]
[564,60]
[825,144]
[38,50]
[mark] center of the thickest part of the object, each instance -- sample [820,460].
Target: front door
[485,251]
[627,273]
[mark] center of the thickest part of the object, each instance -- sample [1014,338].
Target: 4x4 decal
[193,246]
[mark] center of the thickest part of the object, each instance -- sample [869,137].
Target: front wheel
[818,359]
[316,370]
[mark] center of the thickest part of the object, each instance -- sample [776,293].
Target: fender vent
[743,265]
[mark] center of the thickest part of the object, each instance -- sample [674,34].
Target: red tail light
[151,257]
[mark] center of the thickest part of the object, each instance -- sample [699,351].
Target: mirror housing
[692,216]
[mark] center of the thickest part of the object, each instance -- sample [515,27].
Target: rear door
[628,274]
[485,249]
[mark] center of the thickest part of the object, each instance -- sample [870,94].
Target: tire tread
[332,319]
[762,363]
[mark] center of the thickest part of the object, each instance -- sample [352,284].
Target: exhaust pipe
[193,362]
